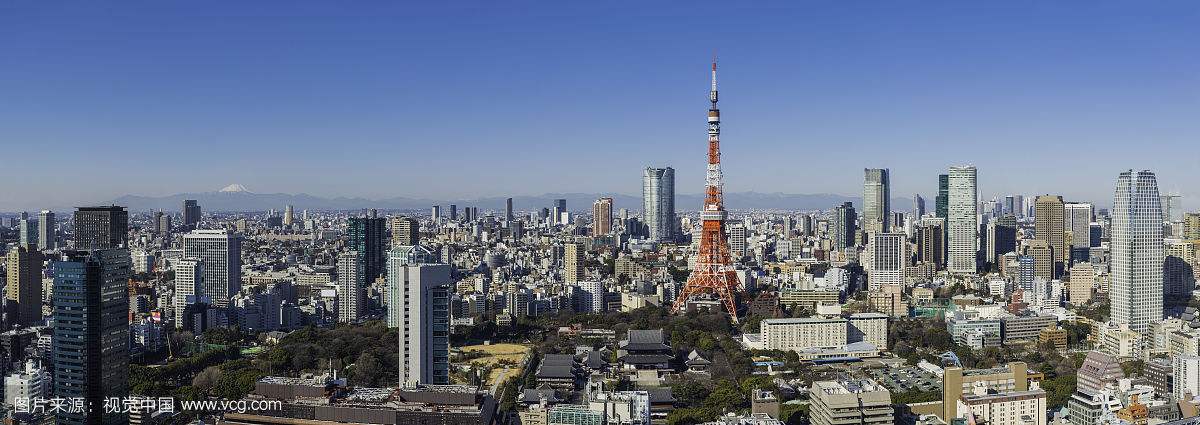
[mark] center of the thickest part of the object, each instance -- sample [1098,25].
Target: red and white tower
[714,273]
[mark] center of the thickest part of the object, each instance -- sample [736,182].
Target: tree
[207,378]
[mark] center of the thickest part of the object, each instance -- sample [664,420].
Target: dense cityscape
[409,273]
[1021,309]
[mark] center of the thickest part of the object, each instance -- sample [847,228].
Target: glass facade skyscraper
[1137,251]
[658,203]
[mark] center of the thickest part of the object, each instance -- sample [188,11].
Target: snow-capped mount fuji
[234,188]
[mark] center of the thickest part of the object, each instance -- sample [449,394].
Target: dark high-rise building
[90,347]
[941,203]
[453,212]
[24,289]
[1001,237]
[931,242]
[843,227]
[191,212]
[366,236]
[508,210]
[101,227]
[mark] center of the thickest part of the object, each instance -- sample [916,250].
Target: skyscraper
[424,323]
[47,236]
[573,262]
[221,251]
[888,258]
[963,222]
[658,203]
[876,201]
[289,215]
[508,210]
[191,213]
[163,223]
[1049,226]
[602,215]
[843,226]
[918,206]
[941,203]
[436,213]
[1077,219]
[189,286]
[91,332]
[27,231]
[101,227]
[406,231]
[1137,251]
[351,287]
[737,240]
[1001,237]
[931,239]
[24,289]
[366,235]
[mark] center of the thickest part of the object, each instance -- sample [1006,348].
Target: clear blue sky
[426,99]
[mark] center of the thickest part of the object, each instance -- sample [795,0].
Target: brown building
[1056,336]
[602,217]
[24,289]
[1049,226]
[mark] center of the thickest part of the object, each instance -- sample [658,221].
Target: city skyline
[195,101]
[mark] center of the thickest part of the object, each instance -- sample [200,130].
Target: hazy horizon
[475,99]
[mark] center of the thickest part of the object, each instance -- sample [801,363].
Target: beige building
[406,231]
[1009,408]
[956,382]
[850,402]
[573,267]
[1079,286]
[803,333]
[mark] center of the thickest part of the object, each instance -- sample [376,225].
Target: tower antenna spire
[714,273]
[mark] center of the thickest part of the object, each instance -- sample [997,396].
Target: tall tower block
[714,273]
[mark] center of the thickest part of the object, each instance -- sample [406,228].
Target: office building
[889,254]
[91,332]
[1082,279]
[1078,217]
[1001,237]
[957,382]
[289,215]
[47,235]
[189,287]
[962,229]
[737,241]
[573,262]
[1043,258]
[931,237]
[1191,226]
[221,251]
[508,210]
[941,202]
[366,236]
[803,333]
[403,275]
[424,292]
[1049,226]
[877,209]
[351,287]
[27,232]
[32,382]
[23,294]
[101,227]
[602,211]
[1137,252]
[658,203]
[918,206]
[1009,408]
[850,402]
[191,213]
[406,231]
[842,227]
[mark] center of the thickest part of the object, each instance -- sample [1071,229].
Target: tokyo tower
[714,273]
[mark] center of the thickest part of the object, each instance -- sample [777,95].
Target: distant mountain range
[240,200]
